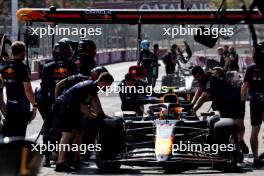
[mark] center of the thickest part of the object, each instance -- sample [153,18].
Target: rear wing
[135,16]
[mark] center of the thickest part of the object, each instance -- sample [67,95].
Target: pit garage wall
[124,55]
[102,58]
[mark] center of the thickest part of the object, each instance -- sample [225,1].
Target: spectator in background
[233,64]
[224,58]
[201,61]
[226,51]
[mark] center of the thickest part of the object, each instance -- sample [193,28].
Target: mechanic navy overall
[67,105]
[87,53]
[53,72]
[171,60]
[14,73]
[254,76]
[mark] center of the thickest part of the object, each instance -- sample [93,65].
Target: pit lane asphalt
[112,104]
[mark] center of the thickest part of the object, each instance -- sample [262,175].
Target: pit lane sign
[154,5]
[133,16]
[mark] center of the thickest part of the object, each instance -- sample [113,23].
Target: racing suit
[146,59]
[130,100]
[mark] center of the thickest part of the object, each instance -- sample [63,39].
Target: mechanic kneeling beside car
[71,106]
[225,98]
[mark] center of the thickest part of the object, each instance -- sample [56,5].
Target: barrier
[119,55]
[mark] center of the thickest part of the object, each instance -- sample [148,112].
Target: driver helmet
[96,72]
[145,44]
[172,113]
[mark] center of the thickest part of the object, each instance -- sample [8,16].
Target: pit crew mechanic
[130,100]
[226,99]
[87,53]
[223,57]
[52,73]
[171,60]
[146,59]
[70,81]
[254,86]
[82,101]
[16,77]
[155,64]
[88,134]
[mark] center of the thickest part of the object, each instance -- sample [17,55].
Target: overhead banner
[153,5]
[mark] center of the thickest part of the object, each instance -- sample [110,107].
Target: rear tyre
[225,133]
[110,137]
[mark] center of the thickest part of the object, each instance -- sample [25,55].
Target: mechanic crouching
[225,98]
[88,134]
[77,102]
[254,86]
[129,94]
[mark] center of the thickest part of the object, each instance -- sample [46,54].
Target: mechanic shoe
[64,167]
[46,162]
[258,164]
[261,156]
[84,163]
[75,164]
[243,146]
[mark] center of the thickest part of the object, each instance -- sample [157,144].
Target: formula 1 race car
[171,136]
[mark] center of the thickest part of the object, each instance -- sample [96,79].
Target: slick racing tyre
[225,133]
[110,137]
